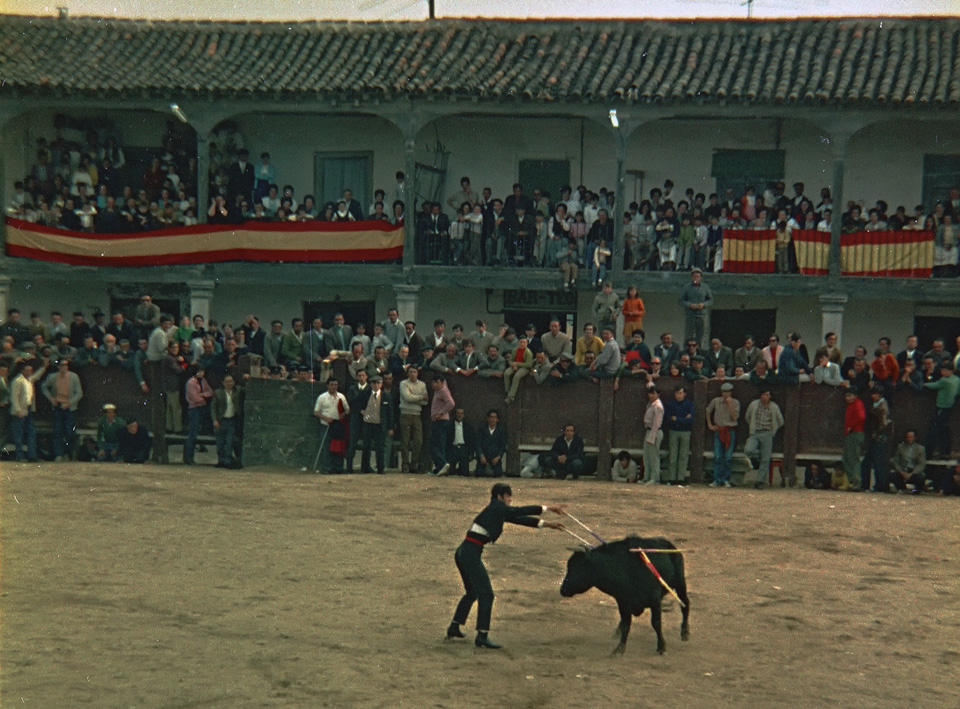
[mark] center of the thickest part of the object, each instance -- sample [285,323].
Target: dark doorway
[733,326]
[354,312]
[544,175]
[928,327]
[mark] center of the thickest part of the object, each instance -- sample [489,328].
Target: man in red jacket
[853,420]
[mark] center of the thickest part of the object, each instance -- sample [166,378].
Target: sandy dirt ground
[195,587]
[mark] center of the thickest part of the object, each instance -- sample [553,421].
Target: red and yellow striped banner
[269,242]
[748,250]
[813,251]
[901,254]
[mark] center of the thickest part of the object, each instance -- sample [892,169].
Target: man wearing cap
[63,390]
[695,298]
[108,434]
[377,416]
[764,419]
[722,415]
[486,529]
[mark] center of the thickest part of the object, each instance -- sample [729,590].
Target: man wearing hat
[722,415]
[695,298]
[63,390]
[108,434]
[376,414]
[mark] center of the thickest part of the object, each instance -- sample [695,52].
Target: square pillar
[832,306]
[408,297]
[201,296]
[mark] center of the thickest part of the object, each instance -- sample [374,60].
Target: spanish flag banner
[267,242]
[813,251]
[901,254]
[748,250]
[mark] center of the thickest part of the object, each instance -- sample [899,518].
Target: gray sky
[417,9]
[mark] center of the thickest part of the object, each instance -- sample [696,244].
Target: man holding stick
[486,529]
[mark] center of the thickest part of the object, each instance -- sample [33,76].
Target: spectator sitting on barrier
[909,462]
[565,458]
[492,365]
[624,469]
[951,481]
[541,368]
[134,442]
[588,343]
[695,371]
[637,349]
[108,434]
[565,370]
[607,364]
[519,366]
[816,477]
[468,360]
[446,363]
[825,371]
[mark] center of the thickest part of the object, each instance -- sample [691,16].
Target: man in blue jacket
[486,529]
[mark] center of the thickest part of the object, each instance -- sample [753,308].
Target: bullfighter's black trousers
[476,583]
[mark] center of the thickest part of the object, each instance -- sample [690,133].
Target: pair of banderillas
[641,552]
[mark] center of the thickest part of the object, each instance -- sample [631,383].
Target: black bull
[620,573]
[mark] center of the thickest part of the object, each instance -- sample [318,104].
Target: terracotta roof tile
[862,61]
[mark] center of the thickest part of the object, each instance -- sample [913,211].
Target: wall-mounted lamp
[178,112]
[614,121]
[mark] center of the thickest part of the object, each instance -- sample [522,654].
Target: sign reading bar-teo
[270,242]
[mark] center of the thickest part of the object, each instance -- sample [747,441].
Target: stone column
[408,297]
[203,176]
[832,306]
[5,297]
[410,197]
[201,296]
[619,247]
[836,194]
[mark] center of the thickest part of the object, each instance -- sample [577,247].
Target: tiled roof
[867,62]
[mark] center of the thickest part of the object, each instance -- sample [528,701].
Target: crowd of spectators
[183,356]
[84,188]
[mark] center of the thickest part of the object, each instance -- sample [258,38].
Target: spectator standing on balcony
[947,388]
[606,306]
[522,230]
[722,415]
[465,194]
[600,231]
[241,176]
[496,229]
[460,236]
[945,254]
[695,298]
[782,242]
[264,177]
[633,312]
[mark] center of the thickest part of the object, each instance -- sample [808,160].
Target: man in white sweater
[23,404]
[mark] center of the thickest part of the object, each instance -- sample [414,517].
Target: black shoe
[454,631]
[483,641]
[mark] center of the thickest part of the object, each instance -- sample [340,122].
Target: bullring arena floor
[196,587]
